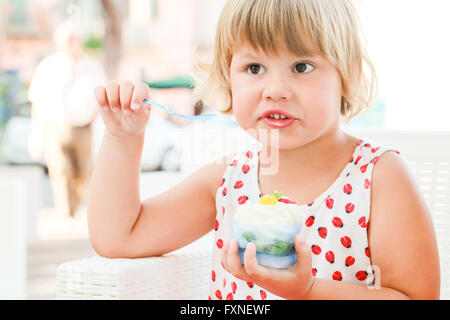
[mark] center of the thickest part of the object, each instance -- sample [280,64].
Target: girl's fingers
[234,262]
[126,92]
[100,97]
[251,265]
[113,95]
[304,257]
[141,91]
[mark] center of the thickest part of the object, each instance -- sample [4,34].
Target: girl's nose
[277,90]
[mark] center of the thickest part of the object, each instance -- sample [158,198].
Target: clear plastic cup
[274,243]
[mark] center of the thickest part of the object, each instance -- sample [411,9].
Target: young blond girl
[367,232]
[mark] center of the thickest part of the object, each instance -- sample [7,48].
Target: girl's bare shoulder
[402,239]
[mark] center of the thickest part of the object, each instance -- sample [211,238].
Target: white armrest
[182,275]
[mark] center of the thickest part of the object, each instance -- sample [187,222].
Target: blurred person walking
[63,110]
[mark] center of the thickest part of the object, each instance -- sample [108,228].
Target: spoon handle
[201,117]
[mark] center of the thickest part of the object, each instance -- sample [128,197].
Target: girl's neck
[313,157]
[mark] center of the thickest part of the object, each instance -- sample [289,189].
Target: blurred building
[158,36]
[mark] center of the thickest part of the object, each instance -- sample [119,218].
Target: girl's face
[308,89]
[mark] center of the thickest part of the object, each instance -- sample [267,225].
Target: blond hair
[330,28]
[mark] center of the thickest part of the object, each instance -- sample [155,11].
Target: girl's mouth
[278,123]
[277,118]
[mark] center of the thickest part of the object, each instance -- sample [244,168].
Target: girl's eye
[303,67]
[255,68]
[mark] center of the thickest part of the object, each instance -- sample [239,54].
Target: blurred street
[60,239]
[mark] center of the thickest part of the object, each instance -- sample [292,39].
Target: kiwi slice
[248,236]
[278,248]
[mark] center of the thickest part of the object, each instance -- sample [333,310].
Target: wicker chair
[184,274]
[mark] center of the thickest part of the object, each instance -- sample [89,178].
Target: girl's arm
[402,241]
[120,225]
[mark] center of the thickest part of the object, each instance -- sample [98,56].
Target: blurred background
[154,41]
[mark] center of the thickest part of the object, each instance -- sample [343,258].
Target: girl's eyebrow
[250,55]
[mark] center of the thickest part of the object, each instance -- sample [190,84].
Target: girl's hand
[123,110]
[294,282]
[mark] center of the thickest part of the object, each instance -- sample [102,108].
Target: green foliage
[93,42]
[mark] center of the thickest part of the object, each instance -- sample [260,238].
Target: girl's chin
[283,144]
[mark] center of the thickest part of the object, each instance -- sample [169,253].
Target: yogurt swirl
[261,214]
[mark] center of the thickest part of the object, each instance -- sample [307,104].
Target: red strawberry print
[363,168]
[245,168]
[216,225]
[337,276]
[349,207]
[362,222]
[288,201]
[242,199]
[367,183]
[375,149]
[329,256]
[213,275]
[316,249]
[337,222]
[230,296]
[219,243]
[219,294]
[359,142]
[322,232]
[357,159]
[346,242]
[233,286]
[263,294]
[209,298]
[224,282]
[234,163]
[367,145]
[222,182]
[223,211]
[239,184]
[249,154]
[310,221]
[250,284]
[361,275]
[329,202]
[249,298]
[351,160]
[367,252]
[311,203]
[314,272]
[349,261]
[224,192]
[348,188]
[374,160]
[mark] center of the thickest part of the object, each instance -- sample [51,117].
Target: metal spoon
[200,117]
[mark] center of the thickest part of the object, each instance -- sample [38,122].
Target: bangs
[271,25]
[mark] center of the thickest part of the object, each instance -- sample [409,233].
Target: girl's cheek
[243,107]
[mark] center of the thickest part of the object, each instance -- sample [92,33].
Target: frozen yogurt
[271,224]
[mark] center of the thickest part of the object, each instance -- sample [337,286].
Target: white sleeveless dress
[335,223]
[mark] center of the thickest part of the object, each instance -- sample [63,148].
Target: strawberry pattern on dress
[335,224]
